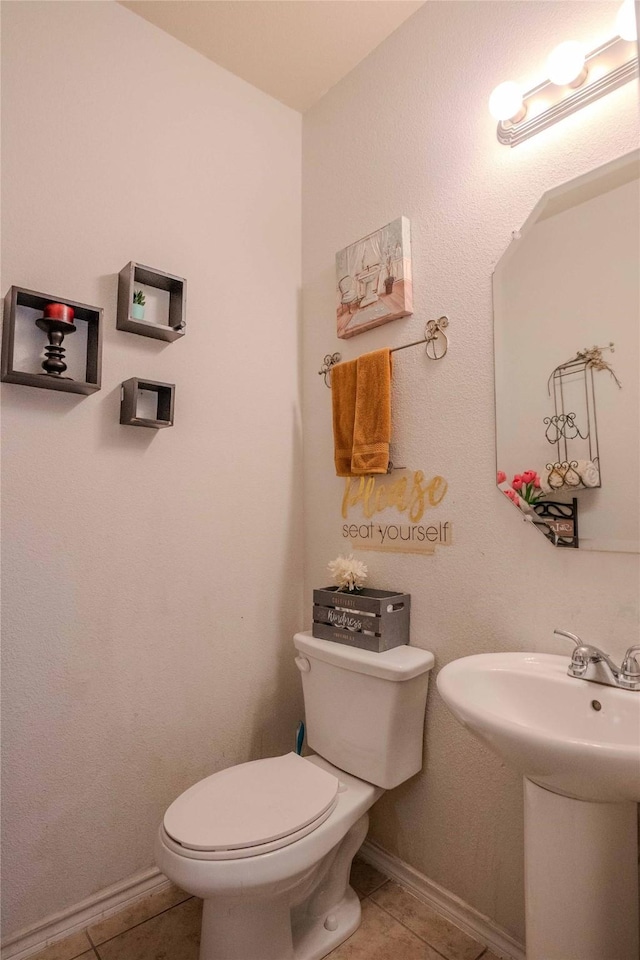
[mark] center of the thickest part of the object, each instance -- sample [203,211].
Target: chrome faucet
[590,663]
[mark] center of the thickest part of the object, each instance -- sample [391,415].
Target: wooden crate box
[370,619]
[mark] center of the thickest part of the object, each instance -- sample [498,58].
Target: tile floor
[166,926]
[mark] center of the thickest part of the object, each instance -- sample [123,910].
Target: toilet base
[317,941]
[311,941]
[275,928]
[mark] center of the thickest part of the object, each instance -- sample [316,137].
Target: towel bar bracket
[329,361]
[435,341]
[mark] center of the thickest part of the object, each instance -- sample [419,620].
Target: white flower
[348,573]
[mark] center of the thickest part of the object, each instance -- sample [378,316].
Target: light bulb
[626,21]
[505,103]
[565,64]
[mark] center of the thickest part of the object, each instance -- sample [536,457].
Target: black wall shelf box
[92,316]
[129,403]
[176,287]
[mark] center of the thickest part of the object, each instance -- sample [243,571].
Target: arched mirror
[567,362]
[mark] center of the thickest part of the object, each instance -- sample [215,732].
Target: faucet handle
[630,667]
[570,636]
[583,654]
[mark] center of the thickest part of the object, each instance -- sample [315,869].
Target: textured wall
[151,579]
[408,132]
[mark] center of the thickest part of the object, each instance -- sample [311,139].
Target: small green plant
[138,297]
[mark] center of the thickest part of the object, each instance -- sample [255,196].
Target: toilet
[268,844]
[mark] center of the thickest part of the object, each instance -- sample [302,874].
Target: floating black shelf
[558,521]
[176,287]
[129,403]
[92,316]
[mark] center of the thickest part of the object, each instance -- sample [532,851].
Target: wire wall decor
[573,427]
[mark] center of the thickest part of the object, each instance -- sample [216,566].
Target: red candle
[58,311]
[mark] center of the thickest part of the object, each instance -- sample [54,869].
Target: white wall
[151,579]
[408,132]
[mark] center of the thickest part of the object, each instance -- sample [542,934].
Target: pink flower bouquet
[524,486]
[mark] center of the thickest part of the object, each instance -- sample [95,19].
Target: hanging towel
[343,398]
[372,422]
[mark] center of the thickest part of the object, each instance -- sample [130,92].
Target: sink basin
[573,737]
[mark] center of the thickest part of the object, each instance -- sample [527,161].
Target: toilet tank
[364,711]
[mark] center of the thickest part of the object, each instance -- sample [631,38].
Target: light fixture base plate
[608,67]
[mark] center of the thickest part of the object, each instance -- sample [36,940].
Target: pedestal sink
[577,744]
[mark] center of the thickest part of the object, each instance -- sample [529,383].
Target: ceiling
[294,50]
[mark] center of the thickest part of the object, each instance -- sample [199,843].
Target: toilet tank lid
[399,663]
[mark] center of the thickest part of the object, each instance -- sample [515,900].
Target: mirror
[566,299]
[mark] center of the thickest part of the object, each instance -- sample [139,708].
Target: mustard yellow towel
[343,398]
[372,422]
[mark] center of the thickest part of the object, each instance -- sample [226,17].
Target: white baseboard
[113,899]
[101,905]
[444,902]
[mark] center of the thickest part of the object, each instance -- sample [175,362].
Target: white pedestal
[581,878]
[370,281]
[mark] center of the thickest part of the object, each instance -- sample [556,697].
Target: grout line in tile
[84,949]
[381,884]
[96,946]
[413,932]
[484,946]
[417,935]
[96,949]
[367,896]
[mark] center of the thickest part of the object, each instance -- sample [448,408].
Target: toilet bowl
[280,899]
[268,844]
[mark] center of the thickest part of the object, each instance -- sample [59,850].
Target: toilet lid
[250,804]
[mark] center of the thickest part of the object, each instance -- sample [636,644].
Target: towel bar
[435,341]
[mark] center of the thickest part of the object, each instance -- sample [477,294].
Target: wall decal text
[410,495]
[378,493]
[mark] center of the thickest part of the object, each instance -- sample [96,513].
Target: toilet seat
[252,808]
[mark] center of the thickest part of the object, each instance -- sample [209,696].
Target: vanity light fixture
[575,78]
[566,64]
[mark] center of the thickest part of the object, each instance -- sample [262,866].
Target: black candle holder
[56,330]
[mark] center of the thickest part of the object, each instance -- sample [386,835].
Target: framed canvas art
[374,279]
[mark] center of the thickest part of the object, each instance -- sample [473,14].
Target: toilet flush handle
[303,664]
